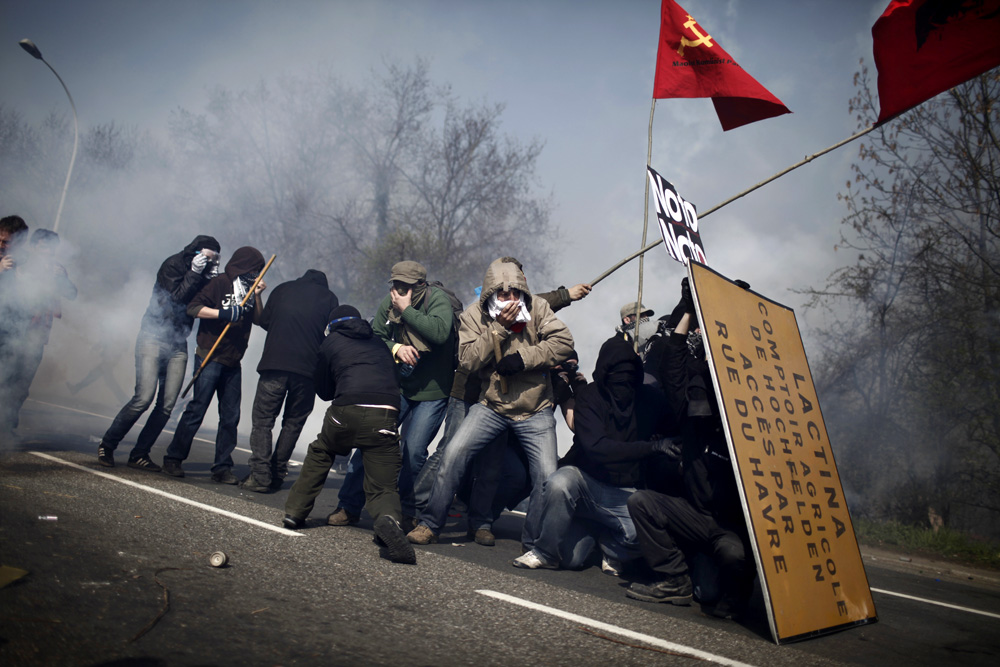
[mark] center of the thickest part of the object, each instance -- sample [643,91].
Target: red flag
[690,63]
[924,47]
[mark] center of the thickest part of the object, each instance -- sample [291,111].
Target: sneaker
[611,566]
[142,463]
[675,590]
[250,483]
[342,518]
[225,477]
[483,536]
[293,523]
[173,467]
[106,457]
[276,483]
[422,535]
[532,561]
[390,535]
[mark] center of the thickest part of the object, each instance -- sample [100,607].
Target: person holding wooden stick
[218,307]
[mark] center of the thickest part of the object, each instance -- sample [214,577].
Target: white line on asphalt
[180,499]
[614,629]
[940,604]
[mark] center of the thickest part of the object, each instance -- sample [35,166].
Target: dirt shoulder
[922,564]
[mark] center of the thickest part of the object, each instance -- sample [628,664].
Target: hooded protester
[621,425]
[295,316]
[516,392]
[356,374]
[161,350]
[216,305]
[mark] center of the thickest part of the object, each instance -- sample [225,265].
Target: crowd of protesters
[646,490]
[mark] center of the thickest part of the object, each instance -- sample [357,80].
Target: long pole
[781,173]
[645,227]
[30,47]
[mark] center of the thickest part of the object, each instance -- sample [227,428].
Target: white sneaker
[530,560]
[611,566]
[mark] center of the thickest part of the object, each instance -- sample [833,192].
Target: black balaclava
[618,375]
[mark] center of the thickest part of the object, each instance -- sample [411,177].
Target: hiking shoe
[173,467]
[611,566]
[483,536]
[225,477]
[106,457]
[250,483]
[675,590]
[422,535]
[342,518]
[142,463]
[293,523]
[408,523]
[531,560]
[729,608]
[276,483]
[390,535]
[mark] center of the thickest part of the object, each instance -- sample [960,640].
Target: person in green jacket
[416,321]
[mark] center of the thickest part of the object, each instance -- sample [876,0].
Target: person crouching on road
[356,372]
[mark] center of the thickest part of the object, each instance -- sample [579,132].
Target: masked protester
[216,305]
[161,351]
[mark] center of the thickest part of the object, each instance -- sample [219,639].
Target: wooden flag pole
[228,324]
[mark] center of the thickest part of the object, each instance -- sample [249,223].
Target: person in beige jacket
[510,341]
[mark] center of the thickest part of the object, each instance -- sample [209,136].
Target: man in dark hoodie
[356,372]
[217,305]
[294,318]
[620,425]
[161,350]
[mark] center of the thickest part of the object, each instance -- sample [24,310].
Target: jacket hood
[201,241]
[354,327]
[501,275]
[315,277]
[616,355]
[244,260]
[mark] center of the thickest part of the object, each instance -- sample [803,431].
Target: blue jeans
[215,379]
[575,507]
[537,435]
[419,423]
[157,364]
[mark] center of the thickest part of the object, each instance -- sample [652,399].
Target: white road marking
[171,496]
[614,629]
[935,602]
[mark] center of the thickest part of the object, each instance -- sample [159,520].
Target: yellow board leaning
[808,560]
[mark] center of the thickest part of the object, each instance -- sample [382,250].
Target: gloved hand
[512,363]
[686,297]
[231,313]
[199,262]
[672,448]
[561,391]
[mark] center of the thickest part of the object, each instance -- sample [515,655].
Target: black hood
[191,249]
[617,354]
[618,376]
[244,260]
[316,277]
[352,327]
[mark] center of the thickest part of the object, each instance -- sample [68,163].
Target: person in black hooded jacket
[620,425]
[161,350]
[357,374]
[217,305]
[295,315]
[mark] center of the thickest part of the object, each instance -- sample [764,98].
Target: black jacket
[294,317]
[166,317]
[614,449]
[355,367]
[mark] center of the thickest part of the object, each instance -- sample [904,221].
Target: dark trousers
[666,526]
[274,388]
[373,431]
[20,361]
[225,382]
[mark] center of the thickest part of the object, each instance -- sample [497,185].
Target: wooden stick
[229,324]
[498,355]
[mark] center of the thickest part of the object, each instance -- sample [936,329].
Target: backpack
[457,309]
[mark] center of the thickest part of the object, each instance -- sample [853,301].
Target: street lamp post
[30,47]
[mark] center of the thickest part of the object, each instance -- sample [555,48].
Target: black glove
[512,363]
[672,448]
[561,390]
[231,313]
[686,298]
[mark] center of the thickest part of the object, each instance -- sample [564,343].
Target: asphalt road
[121,577]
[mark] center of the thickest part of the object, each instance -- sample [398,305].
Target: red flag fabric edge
[690,63]
[924,47]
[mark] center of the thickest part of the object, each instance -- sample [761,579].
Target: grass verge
[944,544]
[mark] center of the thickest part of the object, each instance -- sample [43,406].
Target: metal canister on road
[218,559]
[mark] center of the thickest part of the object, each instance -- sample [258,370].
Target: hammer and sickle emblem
[692,25]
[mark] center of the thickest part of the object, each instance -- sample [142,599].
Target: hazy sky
[577,75]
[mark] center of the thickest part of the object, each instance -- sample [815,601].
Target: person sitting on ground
[620,424]
[357,374]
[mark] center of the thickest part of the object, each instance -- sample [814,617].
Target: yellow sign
[807,555]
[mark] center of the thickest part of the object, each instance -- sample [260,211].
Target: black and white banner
[678,221]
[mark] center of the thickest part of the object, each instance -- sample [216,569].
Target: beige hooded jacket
[545,342]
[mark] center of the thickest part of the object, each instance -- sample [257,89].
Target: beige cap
[408,272]
[629,310]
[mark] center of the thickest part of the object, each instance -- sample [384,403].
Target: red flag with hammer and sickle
[924,47]
[690,63]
